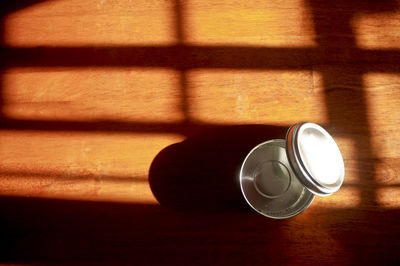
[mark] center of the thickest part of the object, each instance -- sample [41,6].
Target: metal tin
[280,178]
[269,184]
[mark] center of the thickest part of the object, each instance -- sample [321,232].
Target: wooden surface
[123,123]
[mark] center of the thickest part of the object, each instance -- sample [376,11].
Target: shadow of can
[201,173]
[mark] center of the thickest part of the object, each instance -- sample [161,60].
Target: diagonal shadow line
[9,6]
[180,36]
[344,107]
[354,108]
[189,57]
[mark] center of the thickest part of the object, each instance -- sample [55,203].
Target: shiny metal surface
[268,183]
[315,158]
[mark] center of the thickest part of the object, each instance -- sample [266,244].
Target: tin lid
[315,158]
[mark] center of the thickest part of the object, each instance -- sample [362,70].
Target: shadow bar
[188,57]
[180,35]
[186,127]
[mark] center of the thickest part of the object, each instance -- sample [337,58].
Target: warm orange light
[248,23]
[269,96]
[84,166]
[346,197]
[95,188]
[94,22]
[388,197]
[383,91]
[377,31]
[129,94]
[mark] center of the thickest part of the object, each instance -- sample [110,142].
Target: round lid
[315,158]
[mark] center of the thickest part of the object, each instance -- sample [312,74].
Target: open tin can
[280,178]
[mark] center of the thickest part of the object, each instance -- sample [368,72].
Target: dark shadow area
[9,6]
[201,173]
[184,57]
[48,231]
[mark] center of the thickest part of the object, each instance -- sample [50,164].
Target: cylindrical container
[280,178]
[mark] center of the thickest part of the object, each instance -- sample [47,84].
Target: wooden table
[123,123]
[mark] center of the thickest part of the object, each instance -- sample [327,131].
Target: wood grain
[123,123]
